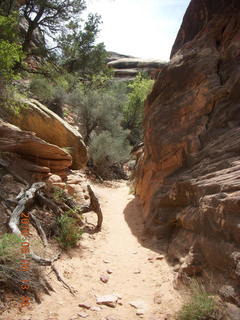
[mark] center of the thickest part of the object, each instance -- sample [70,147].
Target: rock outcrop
[130,67]
[30,155]
[50,127]
[188,178]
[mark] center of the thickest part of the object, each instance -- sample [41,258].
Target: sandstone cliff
[188,179]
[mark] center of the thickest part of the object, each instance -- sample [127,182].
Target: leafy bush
[10,49]
[49,93]
[69,232]
[106,150]
[100,117]
[133,109]
[199,306]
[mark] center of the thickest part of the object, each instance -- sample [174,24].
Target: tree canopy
[48,15]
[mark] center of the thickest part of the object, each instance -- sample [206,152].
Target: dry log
[95,206]
[37,225]
[25,200]
[66,286]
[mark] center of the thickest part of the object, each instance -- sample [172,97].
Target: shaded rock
[108,300]
[85,305]
[50,127]
[104,278]
[82,314]
[26,144]
[187,178]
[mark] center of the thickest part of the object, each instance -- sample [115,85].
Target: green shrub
[199,306]
[69,232]
[106,149]
[10,49]
[133,108]
[10,248]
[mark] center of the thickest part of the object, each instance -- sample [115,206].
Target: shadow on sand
[133,215]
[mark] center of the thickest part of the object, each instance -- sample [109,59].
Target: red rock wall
[188,179]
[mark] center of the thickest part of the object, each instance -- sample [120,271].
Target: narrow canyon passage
[137,271]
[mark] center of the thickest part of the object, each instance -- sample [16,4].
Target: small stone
[160,257]
[109,271]
[138,304]
[112,318]
[82,314]
[94,308]
[140,312]
[84,305]
[151,258]
[108,300]
[106,261]
[157,299]
[104,278]
[137,271]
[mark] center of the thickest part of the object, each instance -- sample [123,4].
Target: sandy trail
[121,248]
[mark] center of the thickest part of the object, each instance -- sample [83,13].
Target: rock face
[51,128]
[129,67]
[188,178]
[45,157]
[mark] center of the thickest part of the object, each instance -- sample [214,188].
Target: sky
[141,28]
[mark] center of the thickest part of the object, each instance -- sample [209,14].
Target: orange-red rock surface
[188,179]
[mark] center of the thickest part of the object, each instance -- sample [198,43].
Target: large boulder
[50,127]
[31,153]
[188,178]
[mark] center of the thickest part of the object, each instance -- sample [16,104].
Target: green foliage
[10,49]
[49,92]
[100,118]
[133,109]
[199,306]
[10,102]
[69,231]
[48,16]
[79,51]
[10,248]
[107,149]
[58,194]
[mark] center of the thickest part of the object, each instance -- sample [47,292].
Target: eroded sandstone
[188,178]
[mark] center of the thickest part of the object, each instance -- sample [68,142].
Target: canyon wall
[188,178]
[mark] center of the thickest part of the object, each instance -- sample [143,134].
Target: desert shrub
[10,49]
[199,306]
[49,93]
[68,231]
[106,150]
[10,248]
[100,117]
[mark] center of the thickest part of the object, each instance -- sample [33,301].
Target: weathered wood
[95,206]
[37,225]
[66,286]
[26,199]
[49,203]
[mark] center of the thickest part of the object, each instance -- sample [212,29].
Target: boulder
[44,156]
[188,177]
[50,127]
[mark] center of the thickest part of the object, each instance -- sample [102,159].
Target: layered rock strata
[188,178]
